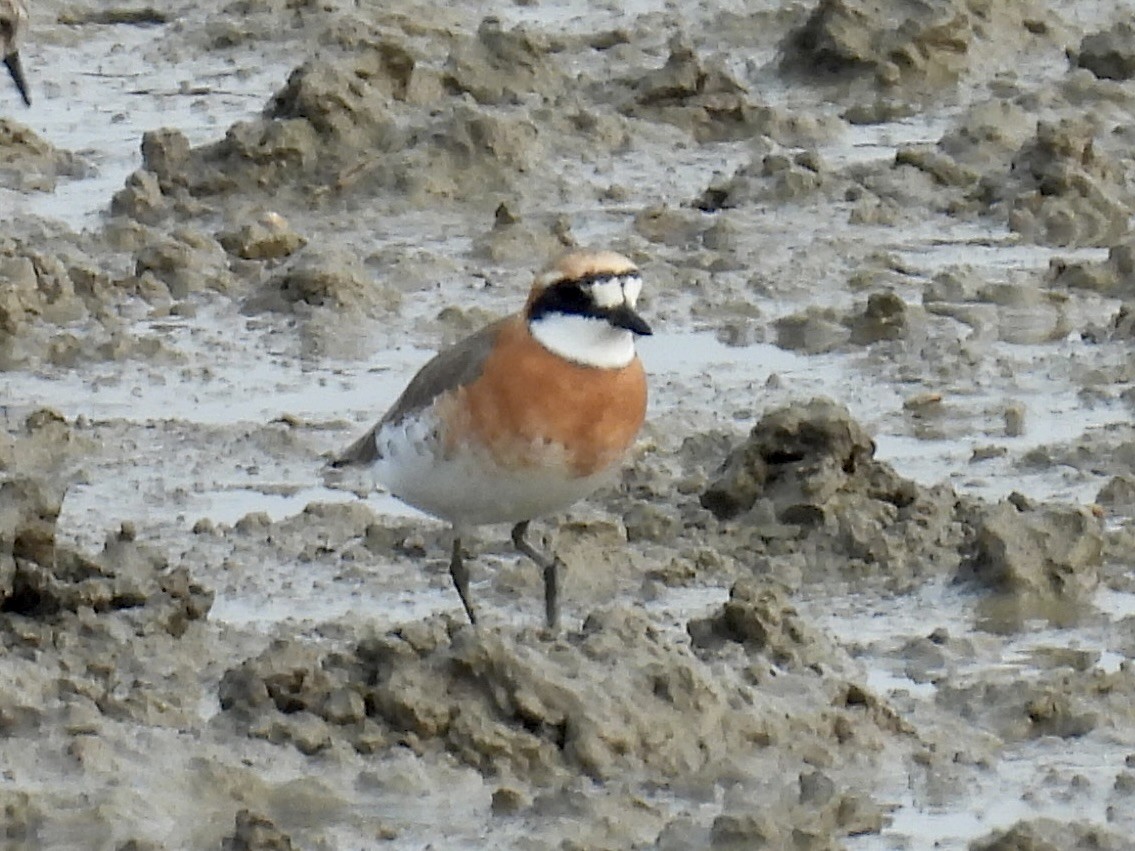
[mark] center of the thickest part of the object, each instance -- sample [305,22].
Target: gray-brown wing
[454,367]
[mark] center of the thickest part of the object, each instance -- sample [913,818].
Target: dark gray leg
[460,574]
[551,567]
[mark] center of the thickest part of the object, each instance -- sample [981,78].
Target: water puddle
[1033,777]
[97,99]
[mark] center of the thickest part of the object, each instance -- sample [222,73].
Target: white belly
[468,488]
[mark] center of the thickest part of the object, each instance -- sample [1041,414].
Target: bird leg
[460,574]
[551,567]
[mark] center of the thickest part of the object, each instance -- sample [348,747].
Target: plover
[13,24]
[524,417]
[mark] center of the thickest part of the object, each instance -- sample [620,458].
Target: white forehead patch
[607,292]
[632,286]
[616,290]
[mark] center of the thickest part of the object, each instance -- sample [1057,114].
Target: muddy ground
[865,582]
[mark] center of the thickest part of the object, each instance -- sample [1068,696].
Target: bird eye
[577,295]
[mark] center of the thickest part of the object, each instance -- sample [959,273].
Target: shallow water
[216,384]
[92,95]
[1060,778]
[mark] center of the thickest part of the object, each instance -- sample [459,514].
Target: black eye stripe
[565,297]
[572,296]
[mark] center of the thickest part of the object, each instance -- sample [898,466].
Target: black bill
[624,317]
[12,60]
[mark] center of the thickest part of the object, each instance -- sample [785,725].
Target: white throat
[584,340]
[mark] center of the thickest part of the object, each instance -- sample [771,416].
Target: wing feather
[457,366]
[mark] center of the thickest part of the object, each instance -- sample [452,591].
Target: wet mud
[865,580]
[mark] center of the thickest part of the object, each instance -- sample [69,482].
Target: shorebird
[13,24]
[522,418]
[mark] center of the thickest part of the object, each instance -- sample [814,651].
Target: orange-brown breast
[529,404]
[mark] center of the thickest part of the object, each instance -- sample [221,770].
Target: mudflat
[865,581]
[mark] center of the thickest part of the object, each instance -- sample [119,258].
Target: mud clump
[183,263]
[1045,834]
[758,618]
[499,66]
[91,644]
[813,331]
[1118,494]
[513,239]
[165,153]
[1037,550]
[807,473]
[160,188]
[141,199]
[1054,185]
[1114,276]
[697,96]
[885,317]
[28,163]
[308,135]
[893,43]
[1052,182]
[330,278]
[1109,54]
[256,833]
[38,452]
[29,510]
[347,102]
[40,580]
[498,703]
[344,104]
[62,294]
[269,237]
[1069,699]
[356,124]
[618,701]
[798,457]
[1062,190]
[811,824]
[987,134]
[37,287]
[772,177]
